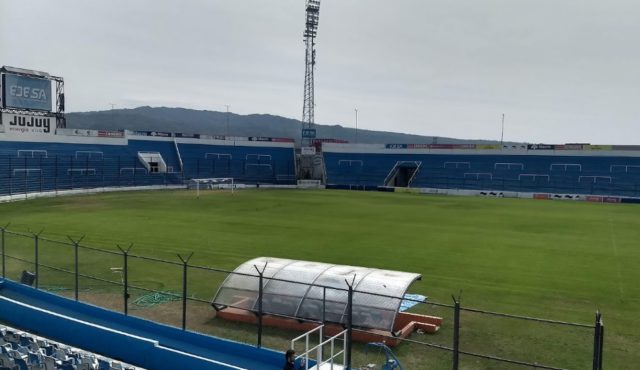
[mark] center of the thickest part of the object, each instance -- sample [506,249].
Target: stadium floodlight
[310,32]
[219,183]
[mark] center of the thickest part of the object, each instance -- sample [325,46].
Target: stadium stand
[596,173]
[252,164]
[64,163]
[23,351]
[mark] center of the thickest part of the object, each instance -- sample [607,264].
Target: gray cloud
[561,70]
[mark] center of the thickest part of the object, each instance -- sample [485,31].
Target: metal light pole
[226,105]
[356,109]
[502,133]
[112,107]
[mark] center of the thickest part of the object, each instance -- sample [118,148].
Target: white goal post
[212,183]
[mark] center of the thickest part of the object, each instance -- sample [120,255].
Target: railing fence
[73,264]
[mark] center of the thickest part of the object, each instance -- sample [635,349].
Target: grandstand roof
[296,289]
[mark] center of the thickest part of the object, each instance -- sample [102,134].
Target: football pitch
[558,260]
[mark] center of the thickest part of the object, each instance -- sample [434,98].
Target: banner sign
[488,146]
[571,146]
[335,141]
[396,146]
[150,133]
[514,147]
[599,147]
[77,132]
[28,124]
[23,92]
[89,133]
[116,134]
[541,147]
[188,136]
[431,146]
[212,137]
[541,196]
[309,133]
[626,147]
[418,146]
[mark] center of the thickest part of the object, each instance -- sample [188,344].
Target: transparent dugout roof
[311,290]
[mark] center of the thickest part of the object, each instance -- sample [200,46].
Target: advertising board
[25,92]
[309,133]
[28,124]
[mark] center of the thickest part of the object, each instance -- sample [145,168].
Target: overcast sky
[561,70]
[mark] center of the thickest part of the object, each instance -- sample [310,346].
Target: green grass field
[556,260]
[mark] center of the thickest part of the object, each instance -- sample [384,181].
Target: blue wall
[129,339]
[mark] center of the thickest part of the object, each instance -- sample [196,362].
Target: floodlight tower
[308,121]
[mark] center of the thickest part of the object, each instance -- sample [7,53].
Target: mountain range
[190,121]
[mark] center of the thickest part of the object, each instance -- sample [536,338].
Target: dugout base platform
[404,326]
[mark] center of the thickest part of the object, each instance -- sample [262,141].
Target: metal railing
[319,348]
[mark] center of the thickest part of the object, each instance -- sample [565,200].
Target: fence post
[324,305]
[36,242]
[125,278]
[348,343]
[40,167]
[260,295]
[2,239]
[76,245]
[597,342]
[601,342]
[55,175]
[185,267]
[456,333]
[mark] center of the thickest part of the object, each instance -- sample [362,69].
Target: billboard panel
[23,92]
[308,133]
[28,124]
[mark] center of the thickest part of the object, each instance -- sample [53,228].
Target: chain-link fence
[179,294]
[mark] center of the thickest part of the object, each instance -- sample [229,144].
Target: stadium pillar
[185,269]
[456,333]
